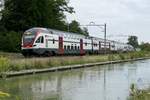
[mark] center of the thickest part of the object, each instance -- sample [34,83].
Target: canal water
[108,82]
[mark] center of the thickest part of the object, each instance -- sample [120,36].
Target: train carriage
[49,42]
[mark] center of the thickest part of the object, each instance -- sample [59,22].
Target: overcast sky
[126,17]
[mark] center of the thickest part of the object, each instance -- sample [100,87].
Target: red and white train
[48,42]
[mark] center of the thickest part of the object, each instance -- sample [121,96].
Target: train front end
[28,42]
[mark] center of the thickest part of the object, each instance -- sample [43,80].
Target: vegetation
[137,94]
[7,96]
[15,64]
[10,41]
[75,27]
[4,64]
[133,40]
[20,15]
[3,94]
[145,46]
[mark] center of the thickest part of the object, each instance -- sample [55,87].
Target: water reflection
[109,82]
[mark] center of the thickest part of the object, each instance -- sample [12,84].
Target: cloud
[122,16]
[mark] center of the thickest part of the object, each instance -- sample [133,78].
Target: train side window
[68,47]
[113,46]
[53,41]
[38,40]
[95,45]
[71,47]
[75,47]
[42,39]
[85,44]
[51,32]
[65,47]
[78,47]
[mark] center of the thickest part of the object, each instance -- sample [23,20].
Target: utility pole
[104,26]
[105,32]
[68,27]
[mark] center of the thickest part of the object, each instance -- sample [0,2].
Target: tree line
[133,40]
[20,15]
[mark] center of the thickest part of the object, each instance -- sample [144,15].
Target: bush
[4,64]
[137,54]
[10,41]
[121,56]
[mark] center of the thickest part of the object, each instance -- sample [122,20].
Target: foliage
[85,31]
[121,56]
[111,57]
[16,64]
[133,40]
[145,46]
[10,41]
[4,64]
[20,15]
[3,95]
[138,94]
[74,27]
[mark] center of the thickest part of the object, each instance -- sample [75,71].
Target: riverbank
[14,67]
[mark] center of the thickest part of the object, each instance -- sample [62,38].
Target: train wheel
[47,54]
[53,53]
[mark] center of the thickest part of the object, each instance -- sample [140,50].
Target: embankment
[15,67]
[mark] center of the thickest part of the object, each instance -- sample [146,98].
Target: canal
[107,82]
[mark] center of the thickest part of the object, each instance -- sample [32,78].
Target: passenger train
[50,42]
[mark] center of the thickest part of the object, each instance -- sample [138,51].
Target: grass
[4,64]
[11,55]
[16,63]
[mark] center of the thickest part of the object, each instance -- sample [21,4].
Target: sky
[123,17]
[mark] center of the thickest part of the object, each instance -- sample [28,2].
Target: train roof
[63,33]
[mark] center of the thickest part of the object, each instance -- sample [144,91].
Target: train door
[109,47]
[81,47]
[99,47]
[61,49]
[92,45]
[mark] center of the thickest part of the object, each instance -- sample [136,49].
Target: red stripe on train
[82,52]
[61,49]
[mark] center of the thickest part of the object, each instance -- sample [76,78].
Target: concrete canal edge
[63,68]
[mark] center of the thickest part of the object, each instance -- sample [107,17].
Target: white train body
[43,41]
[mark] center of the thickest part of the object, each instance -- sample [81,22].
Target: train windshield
[29,35]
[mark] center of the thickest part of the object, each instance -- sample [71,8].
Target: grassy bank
[14,64]
[11,55]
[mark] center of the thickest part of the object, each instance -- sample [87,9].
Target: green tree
[145,46]
[20,15]
[85,31]
[133,40]
[74,27]
[10,41]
